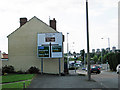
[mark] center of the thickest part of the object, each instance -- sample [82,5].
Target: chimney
[53,23]
[23,21]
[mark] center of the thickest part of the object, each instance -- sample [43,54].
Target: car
[118,69]
[95,69]
[83,68]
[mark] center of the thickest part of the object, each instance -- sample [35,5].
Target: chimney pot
[23,21]
[53,23]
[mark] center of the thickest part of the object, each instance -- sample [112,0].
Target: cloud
[70,16]
[108,3]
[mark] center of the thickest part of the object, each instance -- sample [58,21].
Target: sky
[71,18]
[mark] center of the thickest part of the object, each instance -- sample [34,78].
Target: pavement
[73,80]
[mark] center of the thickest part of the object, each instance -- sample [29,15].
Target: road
[107,79]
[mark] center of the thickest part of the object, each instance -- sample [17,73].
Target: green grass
[16,85]
[16,77]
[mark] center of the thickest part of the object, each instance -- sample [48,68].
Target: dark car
[96,69]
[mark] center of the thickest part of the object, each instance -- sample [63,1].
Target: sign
[56,51]
[43,51]
[50,45]
[50,39]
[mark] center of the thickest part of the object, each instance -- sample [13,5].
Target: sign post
[59,67]
[41,65]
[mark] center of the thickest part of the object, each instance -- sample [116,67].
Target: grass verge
[16,77]
[16,85]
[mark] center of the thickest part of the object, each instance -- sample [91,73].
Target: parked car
[118,69]
[73,66]
[95,69]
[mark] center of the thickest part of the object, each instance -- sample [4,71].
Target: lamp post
[108,51]
[67,53]
[109,44]
[88,54]
[101,54]
[101,57]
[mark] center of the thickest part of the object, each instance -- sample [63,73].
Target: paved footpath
[69,81]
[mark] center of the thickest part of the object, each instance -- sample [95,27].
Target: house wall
[22,48]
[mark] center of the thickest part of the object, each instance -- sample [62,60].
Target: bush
[20,72]
[32,70]
[7,69]
[113,60]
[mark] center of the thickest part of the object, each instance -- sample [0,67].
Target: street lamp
[108,51]
[108,43]
[67,52]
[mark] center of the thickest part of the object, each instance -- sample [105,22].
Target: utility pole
[109,44]
[88,54]
[67,53]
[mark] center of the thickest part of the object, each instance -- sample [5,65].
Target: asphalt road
[107,79]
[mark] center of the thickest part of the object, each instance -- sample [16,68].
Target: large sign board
[49,45]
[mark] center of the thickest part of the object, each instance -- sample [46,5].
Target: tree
[113,60]
[82,52]
[95,58]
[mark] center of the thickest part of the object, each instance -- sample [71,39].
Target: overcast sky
[70,16]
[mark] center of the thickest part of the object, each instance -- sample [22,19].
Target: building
[119,25]
[108,49]
[93,50]
[4,56]
[98,51]
[22,47]
[113,49]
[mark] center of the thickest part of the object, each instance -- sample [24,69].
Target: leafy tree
[82,52]
[95,58]
[113,60]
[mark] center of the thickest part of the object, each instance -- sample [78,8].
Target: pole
[109,44]
[59,67]
[41,65]
[67,54]
[50,50]
[101,57]
[88,54]
[84,61]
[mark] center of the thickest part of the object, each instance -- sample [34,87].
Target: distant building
[98,51]
[4,56]
[93,50]
[113,49]
[108,49]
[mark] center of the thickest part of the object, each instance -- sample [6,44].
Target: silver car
[118,69]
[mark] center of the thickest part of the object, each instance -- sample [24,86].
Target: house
[4,56]
[22,47]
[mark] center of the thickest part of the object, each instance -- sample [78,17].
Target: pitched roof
[29,21]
